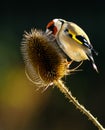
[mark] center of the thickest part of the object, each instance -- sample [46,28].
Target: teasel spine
[45,66]
[43,63]
[62,87]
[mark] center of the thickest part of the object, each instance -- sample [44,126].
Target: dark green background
[55,113]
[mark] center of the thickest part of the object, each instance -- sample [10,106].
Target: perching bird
[72,40]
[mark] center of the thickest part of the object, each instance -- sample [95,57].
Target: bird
[72,40]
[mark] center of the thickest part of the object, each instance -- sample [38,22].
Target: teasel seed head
[44,64]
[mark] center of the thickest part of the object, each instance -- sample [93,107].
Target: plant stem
[82,109]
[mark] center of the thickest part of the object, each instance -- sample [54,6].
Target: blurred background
[24,108]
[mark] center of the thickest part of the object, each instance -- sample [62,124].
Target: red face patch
[49,24]
[54,30]
[52,27]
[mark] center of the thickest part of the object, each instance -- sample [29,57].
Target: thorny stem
[82,109]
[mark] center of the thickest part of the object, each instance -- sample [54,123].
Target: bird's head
[54,26]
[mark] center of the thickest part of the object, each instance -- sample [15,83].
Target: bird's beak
[48,32]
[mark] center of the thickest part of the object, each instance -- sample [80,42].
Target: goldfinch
[72,40]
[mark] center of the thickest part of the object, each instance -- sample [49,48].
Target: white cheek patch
[55,20]
[58,24]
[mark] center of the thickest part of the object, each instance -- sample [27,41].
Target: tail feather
[95,52]
[93,63]
[95,67]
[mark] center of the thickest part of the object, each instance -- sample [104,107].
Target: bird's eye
[51,27]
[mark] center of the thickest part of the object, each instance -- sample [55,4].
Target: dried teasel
[44,64]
